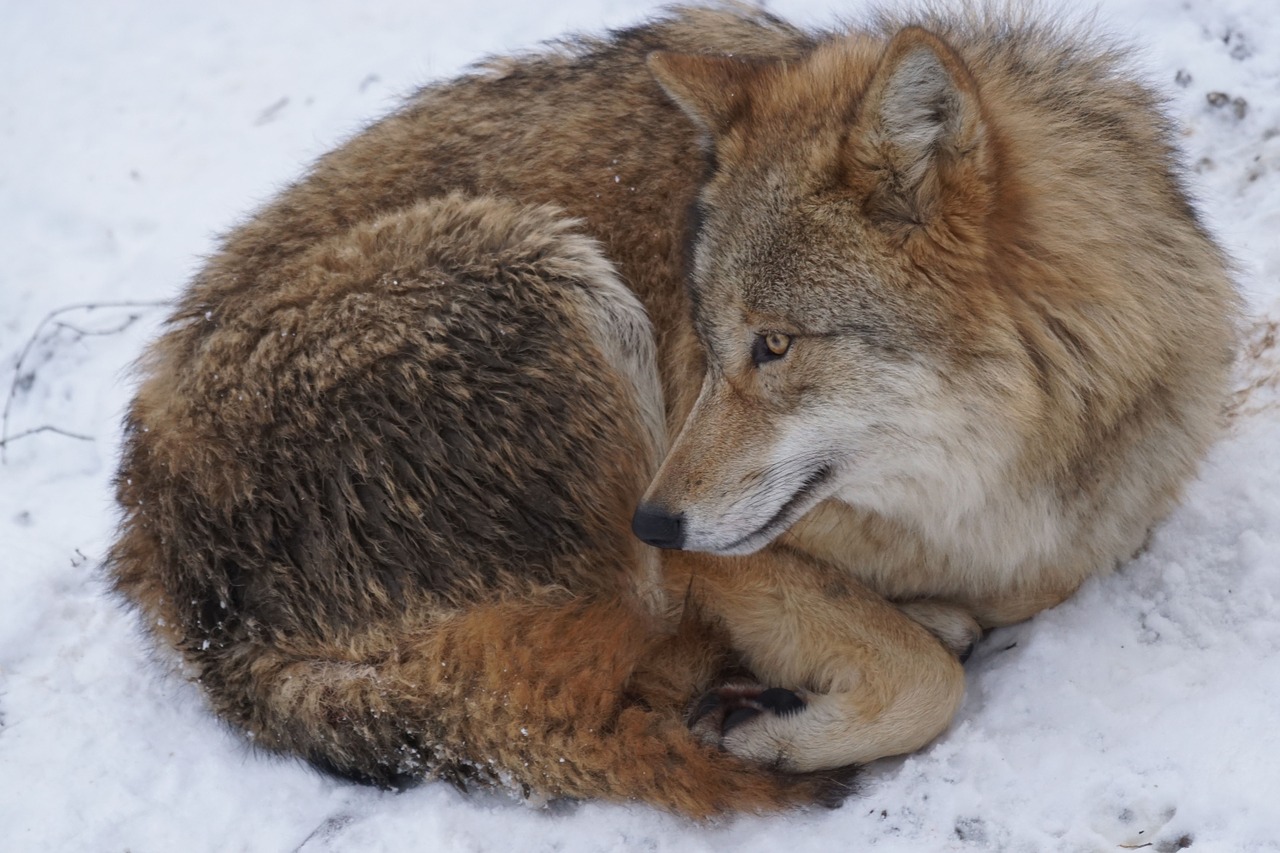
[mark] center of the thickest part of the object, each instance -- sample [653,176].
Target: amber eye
[770,346]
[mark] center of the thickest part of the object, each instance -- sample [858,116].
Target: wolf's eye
[770,346]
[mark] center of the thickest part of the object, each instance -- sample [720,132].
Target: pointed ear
[712,90]
[921,120]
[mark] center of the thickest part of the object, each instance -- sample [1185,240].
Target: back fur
[377,479]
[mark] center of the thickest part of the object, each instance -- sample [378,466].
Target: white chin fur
[726,538]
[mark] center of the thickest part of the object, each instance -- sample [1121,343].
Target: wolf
[924,306]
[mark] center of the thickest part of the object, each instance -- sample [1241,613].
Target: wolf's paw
[724,709]
[734,717]
[954,627]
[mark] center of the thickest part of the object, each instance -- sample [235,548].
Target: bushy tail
[566,699]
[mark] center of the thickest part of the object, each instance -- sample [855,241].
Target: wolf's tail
[565,699]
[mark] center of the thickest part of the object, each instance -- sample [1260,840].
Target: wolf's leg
[997,612]
[845,677]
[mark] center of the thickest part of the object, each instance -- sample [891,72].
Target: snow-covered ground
[1145,712]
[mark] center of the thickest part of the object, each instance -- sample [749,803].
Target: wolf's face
[856,346]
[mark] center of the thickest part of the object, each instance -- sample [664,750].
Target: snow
[1141,712]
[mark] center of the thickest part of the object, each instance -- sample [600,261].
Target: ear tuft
[922,107]
[712,90]
[922,119]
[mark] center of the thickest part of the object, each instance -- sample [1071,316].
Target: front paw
[954,627]
[736,716]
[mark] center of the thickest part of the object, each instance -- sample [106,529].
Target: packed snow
[1142,713]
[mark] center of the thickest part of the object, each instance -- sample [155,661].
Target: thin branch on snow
[46,428]
[58,325]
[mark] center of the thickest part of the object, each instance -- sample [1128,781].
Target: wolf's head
[855,341]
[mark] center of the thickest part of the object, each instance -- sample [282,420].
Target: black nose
[658,527]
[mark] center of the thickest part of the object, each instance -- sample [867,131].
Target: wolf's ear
[712,90]
[920,121]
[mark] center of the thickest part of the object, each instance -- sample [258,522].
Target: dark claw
[730,706]
[780,701]
[707,704]
[737,717]
[968,652]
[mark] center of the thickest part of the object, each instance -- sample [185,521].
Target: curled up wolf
[887,336]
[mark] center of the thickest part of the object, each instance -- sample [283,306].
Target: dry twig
[59,325]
